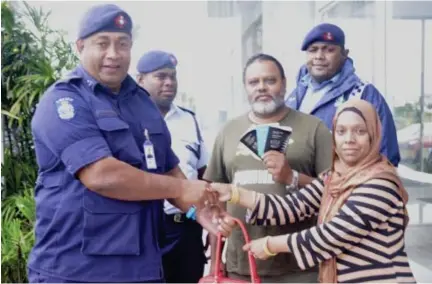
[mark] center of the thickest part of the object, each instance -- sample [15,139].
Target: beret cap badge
[120,21]
[328,36]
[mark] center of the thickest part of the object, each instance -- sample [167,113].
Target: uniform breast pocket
[120,140]
[111,227]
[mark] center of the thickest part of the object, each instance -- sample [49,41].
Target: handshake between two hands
[210,213]
[209,199]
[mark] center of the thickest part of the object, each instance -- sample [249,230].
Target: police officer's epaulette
[187,110]
[197,129]
[68,79]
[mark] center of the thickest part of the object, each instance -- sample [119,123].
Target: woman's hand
[223,190]
[234,194]
[268,246]
[256,247]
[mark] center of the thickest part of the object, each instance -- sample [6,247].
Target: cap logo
[328,36]
[120,21]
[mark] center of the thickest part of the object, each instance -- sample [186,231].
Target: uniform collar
[304,79]
[172,111]
[88,79]
[128,85]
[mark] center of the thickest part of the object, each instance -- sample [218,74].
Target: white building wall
[285,24]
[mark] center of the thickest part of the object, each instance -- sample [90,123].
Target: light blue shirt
[307,80]
[315,91]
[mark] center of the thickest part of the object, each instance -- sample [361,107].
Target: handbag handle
[252,264]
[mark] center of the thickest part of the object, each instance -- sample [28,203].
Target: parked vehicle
[409,145]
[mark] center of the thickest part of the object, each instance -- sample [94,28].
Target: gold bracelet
[266,249]
[235,195]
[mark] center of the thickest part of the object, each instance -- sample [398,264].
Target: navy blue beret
[104,18]
[155,60]
[324,33]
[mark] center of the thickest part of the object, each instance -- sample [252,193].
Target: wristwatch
[294,182]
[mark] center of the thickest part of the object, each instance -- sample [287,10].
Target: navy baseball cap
[324,33]
[104,18]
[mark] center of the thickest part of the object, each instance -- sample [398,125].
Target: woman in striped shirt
[360,203]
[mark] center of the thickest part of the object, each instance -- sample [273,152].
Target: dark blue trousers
[184,258]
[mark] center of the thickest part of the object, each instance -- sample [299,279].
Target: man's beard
[265,108]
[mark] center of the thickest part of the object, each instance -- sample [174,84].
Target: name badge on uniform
[149,152]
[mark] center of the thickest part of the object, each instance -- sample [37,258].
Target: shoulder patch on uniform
[68,79]
[65,108]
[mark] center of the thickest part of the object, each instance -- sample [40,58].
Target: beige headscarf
[340,181]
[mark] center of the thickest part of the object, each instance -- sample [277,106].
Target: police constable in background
[158,76]
[105,167]
[328,79]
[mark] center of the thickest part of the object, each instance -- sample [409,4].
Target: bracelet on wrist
[235,195]
[191,214]
[266,249]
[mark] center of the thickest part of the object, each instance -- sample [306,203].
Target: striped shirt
[366,236]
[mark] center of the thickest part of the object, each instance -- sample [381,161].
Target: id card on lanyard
[149,154]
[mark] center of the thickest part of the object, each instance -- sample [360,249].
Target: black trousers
[185,260]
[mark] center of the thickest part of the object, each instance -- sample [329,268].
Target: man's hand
[278,166]
[223,191]
[209,214]
[215,219]
[194,192]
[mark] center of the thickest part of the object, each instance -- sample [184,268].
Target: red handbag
[218,277]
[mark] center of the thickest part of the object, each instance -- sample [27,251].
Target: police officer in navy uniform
[328,79]
[158,75]
[105,167]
